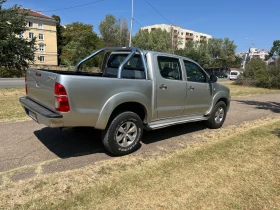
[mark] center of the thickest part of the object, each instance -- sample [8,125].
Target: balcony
[189,37]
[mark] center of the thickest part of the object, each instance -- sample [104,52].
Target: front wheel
[124,133]
[218,116]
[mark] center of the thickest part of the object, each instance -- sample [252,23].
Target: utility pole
[131,23]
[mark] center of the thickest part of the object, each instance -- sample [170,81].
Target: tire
[120,140]
[218,116]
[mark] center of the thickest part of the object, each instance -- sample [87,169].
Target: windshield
[233,73]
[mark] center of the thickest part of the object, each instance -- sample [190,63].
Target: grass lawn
[238,90]
[238,168]
[10,108]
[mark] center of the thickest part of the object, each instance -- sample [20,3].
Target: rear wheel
[123,134]
[218,116]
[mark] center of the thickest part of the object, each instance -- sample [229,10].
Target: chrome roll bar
[132,51]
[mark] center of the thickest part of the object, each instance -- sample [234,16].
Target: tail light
[61,98]
[26,90]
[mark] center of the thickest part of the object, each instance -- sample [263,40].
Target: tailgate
[40,85]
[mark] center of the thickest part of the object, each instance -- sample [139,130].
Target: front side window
[30,24]
[169,68]
[41,47]
[31,35]
[194,72]
[41,36]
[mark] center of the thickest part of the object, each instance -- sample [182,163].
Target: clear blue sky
[236,19]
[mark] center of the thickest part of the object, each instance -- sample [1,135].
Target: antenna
[131,23]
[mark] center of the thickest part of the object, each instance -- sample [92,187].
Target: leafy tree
[267,57]
[198,52]
[80,41]
[59,36]
[275,50]
[15,53]
[228,53]
[156,40]
[114,32]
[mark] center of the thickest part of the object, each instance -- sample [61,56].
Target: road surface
[28,143]
[11,82]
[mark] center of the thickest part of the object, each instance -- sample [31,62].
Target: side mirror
[213,79]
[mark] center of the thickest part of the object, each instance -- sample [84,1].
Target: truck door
[170,87]
[199,90]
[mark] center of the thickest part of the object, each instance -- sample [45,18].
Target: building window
[41,59]
[31,35]
[40,25]
[21,35]
[41,47]
[41,36]
[30,24]
[182,33]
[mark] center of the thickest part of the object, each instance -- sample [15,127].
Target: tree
[80,41]
[275,50]
[59,36]
[15,53]
[156,40]
[114,32]
[196,51]
[228,57]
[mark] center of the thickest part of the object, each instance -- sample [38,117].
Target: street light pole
[131,23]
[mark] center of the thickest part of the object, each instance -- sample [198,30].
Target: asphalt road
[30,144]
[11,82]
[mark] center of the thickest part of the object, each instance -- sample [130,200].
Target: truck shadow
[86,141]
[268,105]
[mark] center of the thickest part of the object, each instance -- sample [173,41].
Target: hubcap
[126,134]
[219,115]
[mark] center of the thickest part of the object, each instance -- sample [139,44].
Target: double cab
[122,91]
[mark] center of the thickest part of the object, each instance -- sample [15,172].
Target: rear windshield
[135,62]
[233,73]
[134,69]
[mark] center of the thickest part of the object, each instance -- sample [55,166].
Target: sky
[239,20]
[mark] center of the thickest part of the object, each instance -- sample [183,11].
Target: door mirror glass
[213,78]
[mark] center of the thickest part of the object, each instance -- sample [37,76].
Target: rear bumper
[41,114]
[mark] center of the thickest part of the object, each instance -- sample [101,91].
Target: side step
[174,121]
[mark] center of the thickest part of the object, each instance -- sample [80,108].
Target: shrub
[9,73]
[258,74]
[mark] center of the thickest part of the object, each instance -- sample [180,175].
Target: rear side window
[169,68]
[134,69]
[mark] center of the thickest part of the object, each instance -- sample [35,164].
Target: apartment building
[180,35]
[44,28]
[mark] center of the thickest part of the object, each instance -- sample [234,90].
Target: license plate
[32,115]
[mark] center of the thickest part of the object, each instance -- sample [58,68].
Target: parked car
[134,90]
[234,75]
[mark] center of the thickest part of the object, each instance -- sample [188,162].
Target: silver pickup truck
[130,90]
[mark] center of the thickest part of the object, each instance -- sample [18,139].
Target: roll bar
[132,51]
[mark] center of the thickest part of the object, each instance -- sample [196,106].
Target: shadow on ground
[72,142]
[268,105]
[85,141]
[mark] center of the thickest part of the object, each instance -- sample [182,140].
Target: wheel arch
[127,101]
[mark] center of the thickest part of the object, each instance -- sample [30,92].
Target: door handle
[163,87]
[191,88]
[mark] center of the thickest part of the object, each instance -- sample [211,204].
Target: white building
[180,35]
[252,53]
[255,52]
